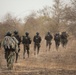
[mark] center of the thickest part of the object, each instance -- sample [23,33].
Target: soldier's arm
[20,39]
[51,37]
[15,40]
[30,40]
[40,39]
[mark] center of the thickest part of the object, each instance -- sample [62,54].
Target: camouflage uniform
[26,43]
[48,39]
[19,41]
[37,41]
[10,48]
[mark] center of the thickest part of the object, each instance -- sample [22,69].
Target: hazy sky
[21,7]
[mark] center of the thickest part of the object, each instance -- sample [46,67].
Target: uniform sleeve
[15,40]
[40,39]
[51,37]
[30,40]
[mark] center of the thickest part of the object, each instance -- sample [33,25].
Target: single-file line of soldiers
[11,44]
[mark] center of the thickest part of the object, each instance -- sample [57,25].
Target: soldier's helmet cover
[27,33]
[57,33]
[48,32]
[15,32]
[37,33]
[8,34]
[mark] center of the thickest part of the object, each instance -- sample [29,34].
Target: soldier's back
[37,39]
[48,37]
[26,40]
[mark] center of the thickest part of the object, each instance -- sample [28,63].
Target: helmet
[48,32]
[8,34]
[57,33]
[63,32]
[15,32]
[37,33]
[27,33]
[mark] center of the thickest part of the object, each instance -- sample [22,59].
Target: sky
[22,8]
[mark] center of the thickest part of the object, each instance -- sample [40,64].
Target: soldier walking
[10,45]
[26,43]
[57,40]
[37,41]
[48,39]
[16,35]
[64,38]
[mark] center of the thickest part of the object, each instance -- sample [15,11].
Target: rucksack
[57,37]
[64,35]
[8,42]
[48,37]
[26,40]
[37,39]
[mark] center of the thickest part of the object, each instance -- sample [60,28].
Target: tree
[72,27]
[57,11]
[46,11]
[9,23]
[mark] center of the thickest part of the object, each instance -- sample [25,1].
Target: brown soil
[53,62]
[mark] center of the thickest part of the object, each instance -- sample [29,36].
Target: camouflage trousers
[10,59]
[64,42]
[17,53]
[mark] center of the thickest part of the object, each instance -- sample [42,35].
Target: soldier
[16,35]
[37,41]
[64,39]
[10,45]
[26,43]
[57,40]
[48,39]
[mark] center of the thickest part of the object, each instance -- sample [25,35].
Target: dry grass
[53,62]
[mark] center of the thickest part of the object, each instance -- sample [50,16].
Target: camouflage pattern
[10,60]
[10,50]
[16,35]
[8,42]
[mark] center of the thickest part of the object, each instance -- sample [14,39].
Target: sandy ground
[53,62]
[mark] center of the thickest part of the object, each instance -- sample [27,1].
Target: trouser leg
[16,57]
[49,46]
[38,48]
[28,50]
[34,49]
[24,51]
[17,54]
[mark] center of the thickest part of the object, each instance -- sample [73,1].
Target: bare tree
[46,11]
[10,23]
[57,11]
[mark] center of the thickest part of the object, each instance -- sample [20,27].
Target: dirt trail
[61,62]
